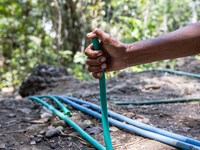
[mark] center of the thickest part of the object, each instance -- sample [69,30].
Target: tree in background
[53,31]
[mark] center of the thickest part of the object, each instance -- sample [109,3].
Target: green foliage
[53,31]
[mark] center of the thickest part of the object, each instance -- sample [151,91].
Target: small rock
[51,133]
[33,143]
[93,130]
[87,122]
[54,145]
[42,132]
[60,123]
[44,109]
[25,110]
[35,127]
[38,139]
[11,115]
[50,127]
[75,117]
[32,137]
[186,129]
[155,108]
[144,106]
[39,136]
[60,128]
[130,106]
[21,143]
[46,115]
[145,120]
[10,143]
[139,120]
[84,124]
[69,138]
[2,146]
[113,129]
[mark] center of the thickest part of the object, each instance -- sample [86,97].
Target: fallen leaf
[93,130]
[113,129]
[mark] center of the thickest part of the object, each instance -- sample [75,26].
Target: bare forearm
[180,43]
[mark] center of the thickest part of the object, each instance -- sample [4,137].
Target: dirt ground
[18,130]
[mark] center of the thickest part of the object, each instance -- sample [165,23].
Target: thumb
[99,34]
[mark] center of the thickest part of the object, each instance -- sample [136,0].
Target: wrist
[127,55]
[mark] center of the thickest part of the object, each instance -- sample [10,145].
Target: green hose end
[68,113]
[64,109]
[96,44]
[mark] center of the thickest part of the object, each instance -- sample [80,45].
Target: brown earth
[17,130]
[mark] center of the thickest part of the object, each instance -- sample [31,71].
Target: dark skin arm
[116,55]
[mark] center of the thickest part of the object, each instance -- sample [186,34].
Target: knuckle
[93,55]
[87,61]
[107,37]
[89,69]
[96,30]
[86,52]
[98,62]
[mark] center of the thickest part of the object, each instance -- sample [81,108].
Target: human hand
[111,57]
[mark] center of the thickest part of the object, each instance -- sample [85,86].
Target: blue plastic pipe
[139,131]
[70,122]
[103,99]
[139,124]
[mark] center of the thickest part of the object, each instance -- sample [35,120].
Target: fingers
[96,59]
[105,37]
[97,75]
[89,51]
[96,62]
[97,68]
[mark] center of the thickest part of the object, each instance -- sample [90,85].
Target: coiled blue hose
[139,131]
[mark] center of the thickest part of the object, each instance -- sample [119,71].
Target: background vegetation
[53,31]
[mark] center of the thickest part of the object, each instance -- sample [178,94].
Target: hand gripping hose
[103,99]
[70,122]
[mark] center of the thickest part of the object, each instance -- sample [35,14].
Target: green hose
[174,71]
[70,122]
[65,110]
[165,100]
[158,101]
[103,99]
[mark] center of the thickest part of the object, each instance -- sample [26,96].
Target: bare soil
[16,132]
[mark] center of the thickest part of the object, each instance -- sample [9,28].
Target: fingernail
[103,66]
[89,34]
[103,59]
[98,74]
[99,54]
